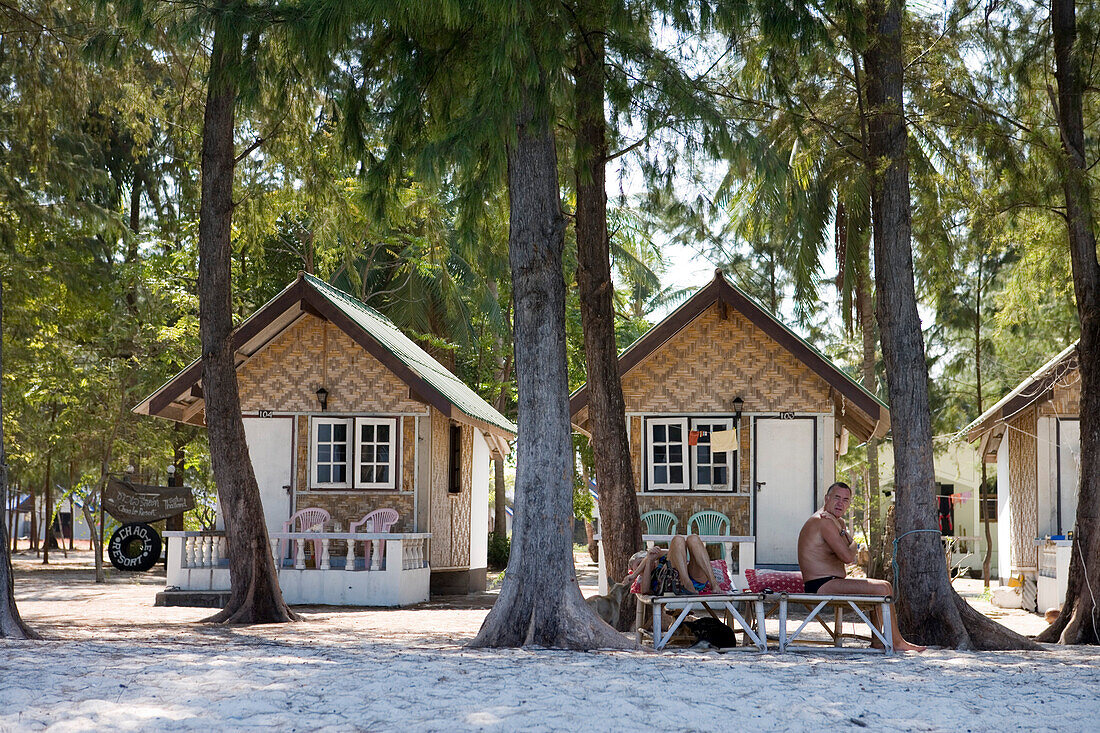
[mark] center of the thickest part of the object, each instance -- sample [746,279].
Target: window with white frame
[357,453]
[667,460]
[680,456]
[375,443]
[710,468]
[331,441]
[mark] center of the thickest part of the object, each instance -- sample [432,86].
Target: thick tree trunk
[620,523]
[540,603]
[11,624]
[1080,616]
[929,610]
[255,596]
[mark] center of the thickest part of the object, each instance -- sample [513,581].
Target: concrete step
[196,598]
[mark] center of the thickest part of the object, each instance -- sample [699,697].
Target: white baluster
[275,553]
[190,552]
[216,552]
[421,552]
[349,565]
[300,554]
[208,551]
[376,555]
[325,554]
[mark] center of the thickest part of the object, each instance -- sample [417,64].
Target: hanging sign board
[130,502]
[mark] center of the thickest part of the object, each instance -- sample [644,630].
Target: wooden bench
[725,603]
[814,604]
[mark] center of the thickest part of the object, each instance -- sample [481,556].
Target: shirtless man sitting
[825,547]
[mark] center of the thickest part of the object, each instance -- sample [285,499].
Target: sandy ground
[114,661]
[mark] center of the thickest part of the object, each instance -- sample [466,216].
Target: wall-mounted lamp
[738,405]
[322,397]
[171,470]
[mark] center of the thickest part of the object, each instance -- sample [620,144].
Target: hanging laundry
[723,440]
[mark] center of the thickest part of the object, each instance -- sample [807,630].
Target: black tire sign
[134,546]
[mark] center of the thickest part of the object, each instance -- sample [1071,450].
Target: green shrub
[499,547]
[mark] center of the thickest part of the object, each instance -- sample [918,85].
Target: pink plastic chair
[310,519]
[380,520]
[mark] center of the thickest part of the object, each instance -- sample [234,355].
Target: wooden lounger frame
[815,603]
[754,629]
[724,602]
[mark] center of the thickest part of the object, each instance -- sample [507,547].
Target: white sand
[115,661]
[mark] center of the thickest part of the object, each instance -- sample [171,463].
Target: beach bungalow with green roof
[718,366]
[345,414]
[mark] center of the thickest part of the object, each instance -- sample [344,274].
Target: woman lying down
[686,556]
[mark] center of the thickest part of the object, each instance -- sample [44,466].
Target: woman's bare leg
[699,563]
[645,575]
[678,558]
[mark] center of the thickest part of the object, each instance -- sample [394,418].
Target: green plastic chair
[659,521]
[708,522]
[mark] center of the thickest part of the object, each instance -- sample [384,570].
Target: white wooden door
[1069,471]
[785,476]
[271,448]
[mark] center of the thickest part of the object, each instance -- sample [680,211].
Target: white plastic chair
[310,519]
[380,520]
[659,521]
[708,522]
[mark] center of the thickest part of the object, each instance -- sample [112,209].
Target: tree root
[522,619]
[984,634]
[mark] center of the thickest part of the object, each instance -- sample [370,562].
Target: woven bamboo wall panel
[313,353]
[346,508]
[636,450]
[734,507]
[1023,488]
[301,437]
[711,361]
[408,454]
[460,504]
[1066,400]
[440,502]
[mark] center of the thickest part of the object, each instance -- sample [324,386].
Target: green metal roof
[390,337]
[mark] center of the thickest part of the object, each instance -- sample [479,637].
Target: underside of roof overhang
[181,398]
[855,409]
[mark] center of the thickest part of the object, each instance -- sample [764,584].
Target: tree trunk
[255,596]
[865,310]
[504,377]
[47,509]
[540,603]
[500,500]
[929,610]
[980,405]
[1078,622]
[620,523]
[11,624]
[33,534]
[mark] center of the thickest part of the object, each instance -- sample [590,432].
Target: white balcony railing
[330,568]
